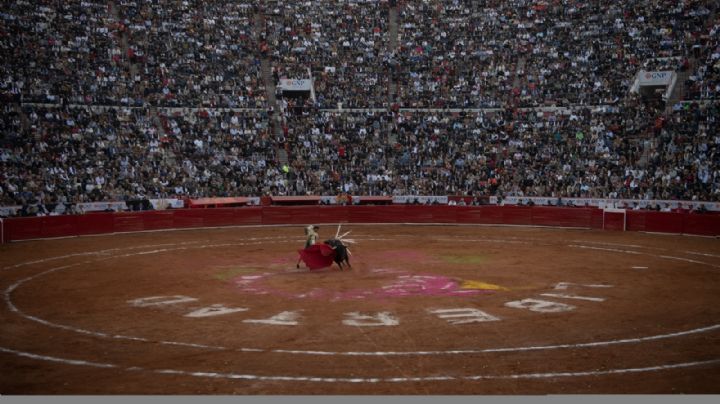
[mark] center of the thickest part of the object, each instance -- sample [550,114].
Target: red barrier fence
[101,223]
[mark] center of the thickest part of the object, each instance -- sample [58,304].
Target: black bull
[341,252]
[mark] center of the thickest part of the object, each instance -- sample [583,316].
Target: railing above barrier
[27,228]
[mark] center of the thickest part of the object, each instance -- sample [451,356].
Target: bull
[342,255]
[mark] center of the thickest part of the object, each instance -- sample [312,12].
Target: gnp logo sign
[295,84]
[655,78]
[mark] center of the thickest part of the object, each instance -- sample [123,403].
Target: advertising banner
[160,204]
[102,206]
[655,78]
[295,84]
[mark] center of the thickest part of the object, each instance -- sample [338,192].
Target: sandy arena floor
[425,310]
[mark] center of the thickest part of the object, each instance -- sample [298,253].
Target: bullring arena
[532,187]
[426,309]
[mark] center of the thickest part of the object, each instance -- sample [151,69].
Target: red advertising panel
[661,222]
[129,222]
[95,223]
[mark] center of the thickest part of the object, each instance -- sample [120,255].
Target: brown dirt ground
[66,310]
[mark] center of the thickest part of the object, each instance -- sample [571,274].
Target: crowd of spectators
[87,154]
[135,53]
[166,99]
[103,154]
[593,153]
[449,53]
[704,83]
[200,53]
[684,154]
[344,45]
[533,53]
[57,52]
[455,54]
[595,49]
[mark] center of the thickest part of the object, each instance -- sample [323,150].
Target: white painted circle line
[508,349]
[236,376]
[56,359]
[549,375]
[13,308]
[618,250]
[703,254]
[92,253]
[107,255]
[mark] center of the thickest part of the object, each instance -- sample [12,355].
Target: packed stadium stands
[116,101]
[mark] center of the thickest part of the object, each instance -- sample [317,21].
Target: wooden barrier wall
[101,223]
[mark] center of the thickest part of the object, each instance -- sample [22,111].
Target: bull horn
[338,230]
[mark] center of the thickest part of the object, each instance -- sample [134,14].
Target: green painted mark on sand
[229,273]
[464,259]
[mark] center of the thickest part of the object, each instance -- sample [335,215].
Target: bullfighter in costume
[311,236]
[322,255]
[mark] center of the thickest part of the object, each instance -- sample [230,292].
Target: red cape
[317,256]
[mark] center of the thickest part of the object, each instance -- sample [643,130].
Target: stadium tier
[120,102]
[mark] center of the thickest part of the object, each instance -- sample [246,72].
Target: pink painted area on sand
[400,284]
